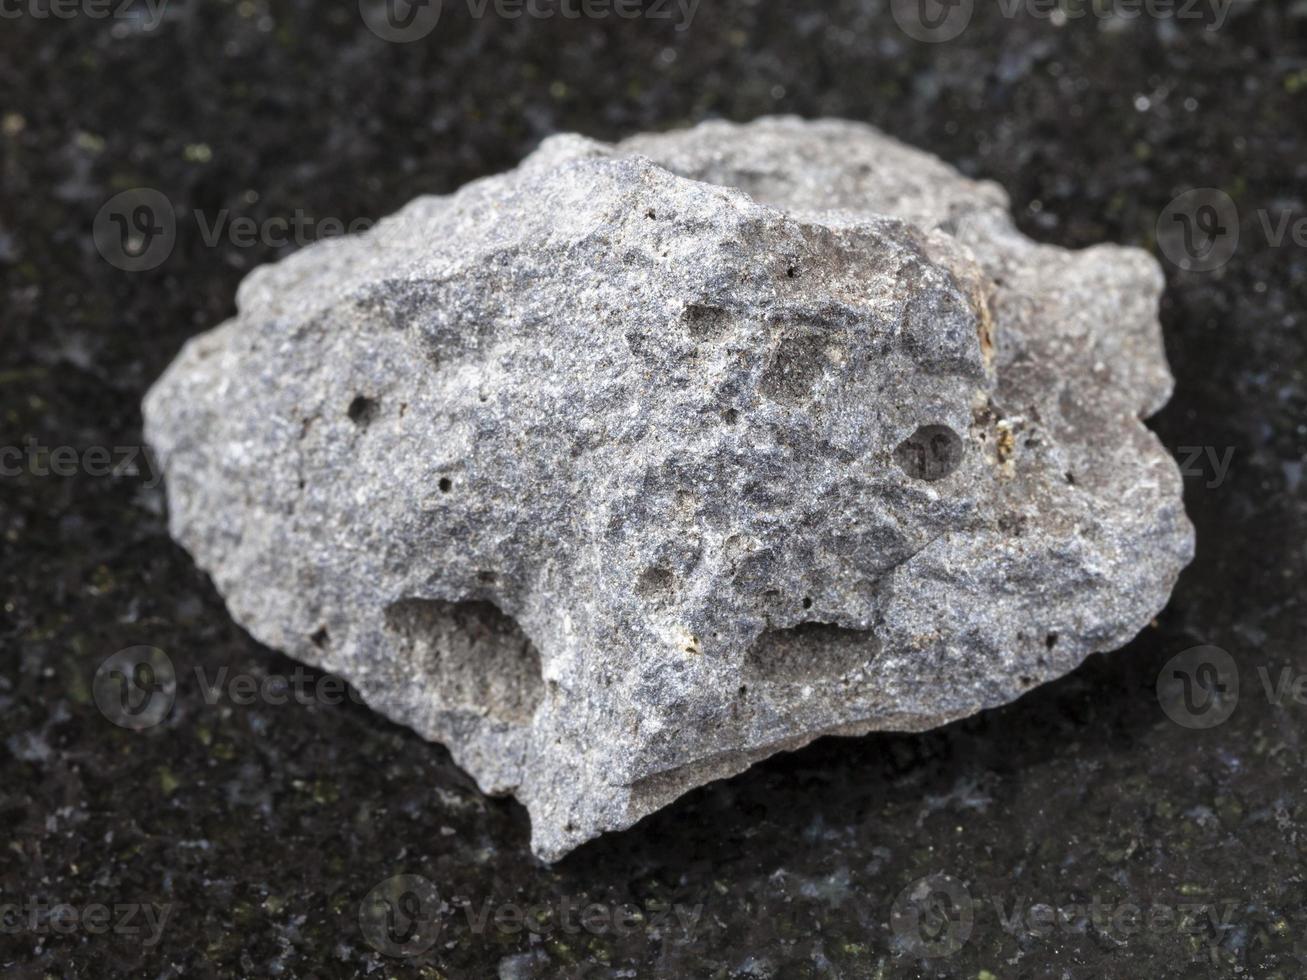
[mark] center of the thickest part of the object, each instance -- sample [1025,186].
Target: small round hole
[931,453]
[445,484]
[363,410]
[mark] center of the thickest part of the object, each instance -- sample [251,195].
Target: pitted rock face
[628,468]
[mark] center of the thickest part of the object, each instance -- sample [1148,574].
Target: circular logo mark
[136,230]
[1199,688]
[135,688]
[1199,230]
[401,916]
[932,21]
[401,21]
[933,916]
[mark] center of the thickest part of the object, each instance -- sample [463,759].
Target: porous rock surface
[630,467]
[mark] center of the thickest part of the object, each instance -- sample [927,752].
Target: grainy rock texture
[628,468]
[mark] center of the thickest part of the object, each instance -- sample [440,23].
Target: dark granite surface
[240,839]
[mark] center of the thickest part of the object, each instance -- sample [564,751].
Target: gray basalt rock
[640,463]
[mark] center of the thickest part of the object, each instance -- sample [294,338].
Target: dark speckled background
[263,827]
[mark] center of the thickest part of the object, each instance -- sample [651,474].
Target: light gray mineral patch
[626,469]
